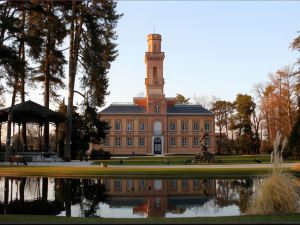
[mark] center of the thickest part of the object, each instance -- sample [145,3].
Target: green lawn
[180,160]
[38,219]
[72,171]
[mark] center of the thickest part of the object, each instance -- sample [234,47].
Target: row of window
[172,184]
[184,141]
[172,126]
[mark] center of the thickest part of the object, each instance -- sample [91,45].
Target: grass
[39,219]
[75,172]
[180,160]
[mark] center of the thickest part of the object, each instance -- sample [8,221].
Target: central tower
[154,81]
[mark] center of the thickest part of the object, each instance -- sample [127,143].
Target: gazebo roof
[30,111]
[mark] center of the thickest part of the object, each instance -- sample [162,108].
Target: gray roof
[188,109]
[123,109]
[136,109]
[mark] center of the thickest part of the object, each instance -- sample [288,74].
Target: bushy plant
[279,192]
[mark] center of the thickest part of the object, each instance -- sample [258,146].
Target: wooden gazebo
[31,112]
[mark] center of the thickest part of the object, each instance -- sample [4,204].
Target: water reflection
[124,197]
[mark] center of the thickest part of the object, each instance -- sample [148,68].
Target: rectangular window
[129,126]
[130,184]
[172,126]
[207,126]
[142,126]
[184,126]
[107,126]
[106,184]
[106,142]
[142,184]
[207,141]
[173,184]
[196,184]
[142,142]
[185,184]
[118,184]
[172,141]
[129,142]
[195,141]
[184,142]
[195,126]
[118,142]
[118,125]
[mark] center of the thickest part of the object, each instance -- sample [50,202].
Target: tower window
[154,47]
[154,72]
[157,109]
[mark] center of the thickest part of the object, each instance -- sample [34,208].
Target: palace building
[156,125]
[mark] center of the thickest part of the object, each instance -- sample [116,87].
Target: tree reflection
[234,192]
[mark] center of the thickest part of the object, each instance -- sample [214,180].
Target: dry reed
[278,193]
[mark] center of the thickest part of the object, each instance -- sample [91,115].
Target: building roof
[136,109]
[188,109]
[124,109]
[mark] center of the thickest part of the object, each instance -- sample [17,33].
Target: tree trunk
[47,79]
[23,75]
[9,121]
[67,150]
[75,35]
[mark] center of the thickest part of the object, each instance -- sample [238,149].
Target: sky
[213,48]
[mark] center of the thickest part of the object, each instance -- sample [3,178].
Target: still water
[124,198]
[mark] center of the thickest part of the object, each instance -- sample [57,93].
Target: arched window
[157,128]
[154,48]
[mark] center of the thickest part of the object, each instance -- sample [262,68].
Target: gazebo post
[39,132]
[19,137]
[56,136]
[13,136]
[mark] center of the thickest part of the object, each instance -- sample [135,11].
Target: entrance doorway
[157,146]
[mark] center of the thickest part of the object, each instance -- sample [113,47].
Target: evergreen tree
[47,22]
[294,140]
[180,99]
[92,48]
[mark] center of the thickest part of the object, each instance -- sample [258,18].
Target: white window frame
[207,141]
[185,184]
[184,125]
[196,126]
[173,141]
[206,123]
[118,125]
[142,184]
[173,184]
[142,126]
[129,126]
[140,139]
[172,126]
[131,143]
[194,143]
[184,141]
[118,143]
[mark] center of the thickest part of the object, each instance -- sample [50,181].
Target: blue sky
[211,48]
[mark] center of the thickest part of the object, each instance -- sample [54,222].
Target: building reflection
[155,198]
[140,197]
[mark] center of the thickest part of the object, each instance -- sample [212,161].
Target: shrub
[99,154]
[278,193]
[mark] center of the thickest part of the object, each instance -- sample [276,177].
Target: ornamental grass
[279,192]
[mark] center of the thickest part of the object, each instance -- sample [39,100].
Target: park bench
[18,159]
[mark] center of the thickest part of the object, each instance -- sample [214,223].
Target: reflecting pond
[124,198]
